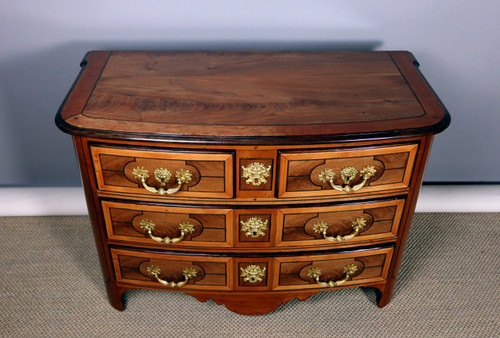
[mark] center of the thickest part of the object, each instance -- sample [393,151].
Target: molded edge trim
[81,90]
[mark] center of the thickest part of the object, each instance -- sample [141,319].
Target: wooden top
[250,97]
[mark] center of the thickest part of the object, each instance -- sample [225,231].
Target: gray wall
[42,43]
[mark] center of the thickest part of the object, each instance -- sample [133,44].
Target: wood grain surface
[229,95]
[299,174]
[211,172]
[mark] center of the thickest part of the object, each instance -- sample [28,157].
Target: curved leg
[115,295]
[385,291]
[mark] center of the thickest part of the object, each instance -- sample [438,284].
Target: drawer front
[194,272]
[168,227]
[151,172]
[330,226]
[346,172]
[339,225]
[355,268]
[151,269]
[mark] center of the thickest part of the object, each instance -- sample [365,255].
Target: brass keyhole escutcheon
[253,273]
[254,227]
[256,173]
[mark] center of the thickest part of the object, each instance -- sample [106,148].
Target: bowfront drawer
[173,271]
[330,226]
[332,270]
[164,172]
[223,273]
[172,227]
[346,172]
[339,225]
[168,226]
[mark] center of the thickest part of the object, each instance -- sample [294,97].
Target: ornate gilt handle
[349,270]
[185,228]
[163,176]
[357,225]
[347,174]
[187,272]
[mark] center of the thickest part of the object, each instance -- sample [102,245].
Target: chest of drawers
[251,178]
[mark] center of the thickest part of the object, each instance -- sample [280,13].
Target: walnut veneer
[251,178]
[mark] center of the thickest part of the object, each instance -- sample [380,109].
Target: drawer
[339,225]
[168,226]
[319,226]
[345,172]
[332,270]
[249,273]
[148,269]
[163,172]
[173,227]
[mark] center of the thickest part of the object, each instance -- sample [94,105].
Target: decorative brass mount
[256,173]
[188,273]
[254,227]
[253,273]
[163,176]
[349,270]
[347,174]
[357,225]
[184,228]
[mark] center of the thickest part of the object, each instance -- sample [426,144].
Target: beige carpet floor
[448,287]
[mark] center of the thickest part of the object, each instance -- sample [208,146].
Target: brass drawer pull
[254,227]
[163,176]
[349,270]
[357,225]
[184,228]
[187,272]
[253,273]
[256,173]
[347,174]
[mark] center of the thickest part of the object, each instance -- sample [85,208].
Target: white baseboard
[459,198]
[42,201]
[71,201]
